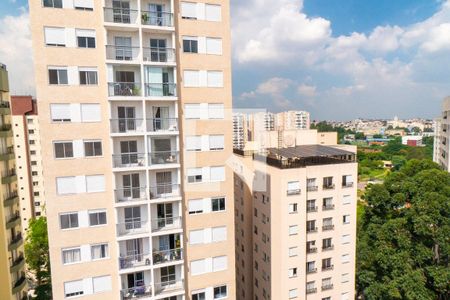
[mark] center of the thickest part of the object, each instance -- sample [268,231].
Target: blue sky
[339,59]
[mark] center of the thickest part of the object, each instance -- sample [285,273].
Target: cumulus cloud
[15,52]
[306,90]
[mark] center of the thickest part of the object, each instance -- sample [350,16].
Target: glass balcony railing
[125,125]
[166,223]
[166,89]
[163,157]
[133,261]
[120,15]
[163,256]
[153,18]
[131,194]
[135,226]
[162,124]
[162,191]
[125,89]
[124,53]
[129,160]
[168,286]
[141,291]
[162,55]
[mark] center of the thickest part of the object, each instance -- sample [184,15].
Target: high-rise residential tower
[12,262]
[441,153]
[134,114]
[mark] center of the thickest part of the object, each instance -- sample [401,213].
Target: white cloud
[274,86]
[16,54]
[306,90]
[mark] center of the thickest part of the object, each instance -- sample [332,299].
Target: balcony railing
[168,286]
[15,241]
[6,152]
[125,53]
[163,157]
[125,125]
[153,18]
[163,256]
[327,287]
[293,192]
[129,160]
[311,270]
[9,198]
[328,248]
[311,291]
[166,223]
[132,227]
[327,227]
[131,194]
[311,230]
[347,184]
[162,55]
[312,188]
[4,104]
[311,209]
[19,284]
[5,127]
[17,263]
[311,250]
[328,186]
[162,191]
[143,291]
[133,261]
[162,124]
[125,89]
[13,219]
[161,89]
[328,207]
[120,15]
[327,268]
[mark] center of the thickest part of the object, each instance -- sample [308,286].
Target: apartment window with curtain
[58,76]
[97,218]
[63,149]
[69,220]
[71,256]
[88,77]
[53,3]
[190,44]
[92,148]
[99,251]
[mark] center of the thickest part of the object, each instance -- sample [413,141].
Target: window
[195,206]
[73,288]
[293,251]
[311,226]
[60,112]
[88,77]
[69,220]
[192,111]
[219,263]
[345,296]
[85,38]
[83,4]
[90,112]
[326,264]
[215,111]
[71,256]
[311,266]
[190,44]
[292,272]
[53,3]
[327,243]
[345,258]
[63,149]
[328,183]
[55,36]
[213,13]
[216,142]
[345,278]
[346,199]
[99,251]
[92,148]
[95,183]
[191,78]
[194,175]
[347,181]
[31,142]
[220,292]
[217,173]
[311,206]
[219,234]
[101,284]
[194,143]
[215,79]
[293,208]
[97,218]
[214,46]
[218,204]
[293,188]
[345,239]
[293,229]
[327,203]
[293,293]
[66,185]
[198,296]
[196,237]
[189,10]
[311,247]
[198,267]
[346,219]
[57,76]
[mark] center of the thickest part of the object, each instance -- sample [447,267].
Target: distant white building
[412,140]
[442,136]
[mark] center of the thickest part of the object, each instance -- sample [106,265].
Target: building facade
[442,137]
[12,261]
[295,223]
[240,131]
[134,101]
[291,120]
[28,157]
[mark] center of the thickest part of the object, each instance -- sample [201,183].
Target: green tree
[37,256]
[403,236]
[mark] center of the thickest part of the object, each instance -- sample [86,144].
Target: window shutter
[66,185]
[193,143]
[215,79]
[196,205]
[217,173]
[192,111]
[213,12]
[60,112]
[214,46]
[55,36]
[347,199]
[219,234]
[101,284]
[293,186]
[85,33]
[216,111]
[216,142]
[95,183]
[345,239]
[189,10]
[219,263]
[83,3]
[73,287]
[191,78]
[198,267]
[90,113]
[196,237]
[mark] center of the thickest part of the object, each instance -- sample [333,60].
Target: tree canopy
[404,235]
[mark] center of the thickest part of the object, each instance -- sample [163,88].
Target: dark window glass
[53,3]
[88,77]
[86,42]
[190,46]
[53,76]
[218,204]
[92,148]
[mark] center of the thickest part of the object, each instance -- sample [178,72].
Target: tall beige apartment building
[12,262]
[295,212]
[441,153]
[25,122]
[134,101]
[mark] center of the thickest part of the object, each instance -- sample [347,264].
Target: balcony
[328,187]
[327,227]
[312,188]
[164,157]
[15,242]
[162,224]
[132,227]
[328,248]
[160,19]
[131,194]
[9,176]
[124,89]
[120,15]
[311,209]
[328,207]
[134,261]
[5,130]
[5,108]
[159,55]
[122,53]
[11,199]
[327,287]
[347,184]
[168,286]
[311,230]
[127,125]
[143,291]
[17,264]
[162,124]
[164,256]
[311,250]
[163,191]
[166,89]
[311,270]
[327,268]
[129,160]
[13,220]
[7,154]
[293,192]
[19,284]
[311,291]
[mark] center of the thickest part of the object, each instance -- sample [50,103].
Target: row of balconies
[134,89]
[133,160]
[324,268]
[324,288]
[324,228]
[146,259]
[136,125]
[140,225]
[146,54]
[311,250]
[160,191]
[311,209]
[136,17]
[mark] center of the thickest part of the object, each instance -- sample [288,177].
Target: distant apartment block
[442,137]
[28,157]
[133,107]
[12,261]
[240,130]
[295,222]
